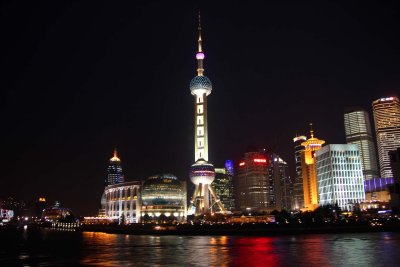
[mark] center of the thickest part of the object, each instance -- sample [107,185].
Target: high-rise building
[114,171]
[40,206]
[252,184]
[359,132]
[280,184]
[223,185]
[387,128]
[310,187]
[202,172]
[298,194]
[339,175]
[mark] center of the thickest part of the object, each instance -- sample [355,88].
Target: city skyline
[75,89]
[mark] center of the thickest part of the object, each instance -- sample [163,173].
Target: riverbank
[240,229]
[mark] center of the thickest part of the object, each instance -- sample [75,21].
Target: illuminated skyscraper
[339,175]
[387,128]
[310,187]
[281,186]
[298,194]
[114,171]
[202,172]
[359,132]
[252,183]
[223,185]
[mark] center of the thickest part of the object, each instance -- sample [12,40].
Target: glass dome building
[163,198]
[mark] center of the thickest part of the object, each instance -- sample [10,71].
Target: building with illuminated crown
[202,172]
[359,132]
[387,127]
[339,175]
[310,187]
[280,183]
[114,171]
[223,185]
[298,194]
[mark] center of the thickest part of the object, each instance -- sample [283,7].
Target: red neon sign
[260,160]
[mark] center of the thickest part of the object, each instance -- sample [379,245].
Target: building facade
[122,202]
[223,185]
[339,175]
[280,183]
[114,171]
[308,171]
[163,199]
[387,127]
[298,194]
[252,185]
[359,132]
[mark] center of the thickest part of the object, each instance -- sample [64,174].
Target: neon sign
[260,160]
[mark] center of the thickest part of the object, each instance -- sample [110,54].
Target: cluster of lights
[387,99]
[260,160]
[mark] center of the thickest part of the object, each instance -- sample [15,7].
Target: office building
[339,175]
[359,132]
[280,184]
[223,185]
[114,171]
[387,127]
[310,187]
[298,193]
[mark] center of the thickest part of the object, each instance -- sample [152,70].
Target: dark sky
[78,79]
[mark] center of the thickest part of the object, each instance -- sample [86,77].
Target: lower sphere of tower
[202,172]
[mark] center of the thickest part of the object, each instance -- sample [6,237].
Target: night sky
[78,79]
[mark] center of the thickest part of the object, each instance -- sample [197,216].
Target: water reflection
[50,248]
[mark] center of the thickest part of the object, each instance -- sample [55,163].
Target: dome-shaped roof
[201,83]
[163,189]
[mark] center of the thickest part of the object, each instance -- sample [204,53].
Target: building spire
[115,153]
[200,54]
[311,130]
[115,157]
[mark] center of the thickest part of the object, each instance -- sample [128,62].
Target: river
[46,247]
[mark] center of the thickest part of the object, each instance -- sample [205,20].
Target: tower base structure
[204,198]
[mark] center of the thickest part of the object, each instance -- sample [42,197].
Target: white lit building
[387,127]
[339,176]
[122,202]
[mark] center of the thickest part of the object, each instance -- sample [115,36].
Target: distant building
[114,171]
[308,171]
[387,127]
[359,132]
[339,175]
[252,183]
[223,185]
[163,199]
[376,190]
[298,193]
[281,186]
[122,202]
[395,164]
[40,206]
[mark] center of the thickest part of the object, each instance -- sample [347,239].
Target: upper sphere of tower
[200,85]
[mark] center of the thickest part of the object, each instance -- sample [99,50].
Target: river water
[66,248]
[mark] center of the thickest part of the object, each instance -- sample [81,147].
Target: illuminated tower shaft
[202,172]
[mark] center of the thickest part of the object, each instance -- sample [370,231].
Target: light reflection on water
[49,248]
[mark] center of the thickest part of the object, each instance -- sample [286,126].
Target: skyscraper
[310,188]
[298,194]
[359,132]
[339,175]
[281,186]
[252,185]
[202,172]
[223,185]
[114,171]
[387,128]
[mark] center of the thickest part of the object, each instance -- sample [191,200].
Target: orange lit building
[310,186]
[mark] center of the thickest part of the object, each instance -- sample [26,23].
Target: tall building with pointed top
[359,132]
[202,172]
[387,126]
[114,171]
[308,170]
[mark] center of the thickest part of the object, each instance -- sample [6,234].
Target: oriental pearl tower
[202,172]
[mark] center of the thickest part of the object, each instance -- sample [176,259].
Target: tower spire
[311,130]
[200,54]
[115,153]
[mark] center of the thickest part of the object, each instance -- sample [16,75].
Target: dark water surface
[62,248]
